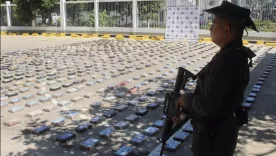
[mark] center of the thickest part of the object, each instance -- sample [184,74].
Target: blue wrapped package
[65,137]
[158,123]
[141,111]
[89,143]
[160,100]
[58,122]
[172,145]
[11,94]
[138,139]
[45,99]
[121,125]
[133,102]
[107,133]
[132,118]
[163,117]
[97,119]
[109,114]
[246,105]
[150,131]
[29,96]
[181,136]
[32,103]
[250,99]
[124,151]
[143,98]
[152,105]
[15,100]
[188,127]
[83,127]
[72,114]
[252,95]
[151,93]
[40,130]
[64,103]
[16,109]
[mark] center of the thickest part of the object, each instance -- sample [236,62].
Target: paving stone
[121,107]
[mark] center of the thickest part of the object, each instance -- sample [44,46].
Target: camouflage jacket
[222,82]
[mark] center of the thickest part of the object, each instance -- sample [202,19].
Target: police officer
[221,84]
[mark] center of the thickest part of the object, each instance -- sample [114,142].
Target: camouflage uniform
[218,95]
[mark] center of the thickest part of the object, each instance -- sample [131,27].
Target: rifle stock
[170,107]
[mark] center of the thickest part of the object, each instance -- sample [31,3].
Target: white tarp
[182,23]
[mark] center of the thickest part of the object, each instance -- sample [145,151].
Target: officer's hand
[180,102]
[184,100]
[176,120]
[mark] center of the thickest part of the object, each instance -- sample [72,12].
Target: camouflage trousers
[216,139]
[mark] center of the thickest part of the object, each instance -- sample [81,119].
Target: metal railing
[127,15]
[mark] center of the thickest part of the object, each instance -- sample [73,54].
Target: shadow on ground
[45,144]
[260,133]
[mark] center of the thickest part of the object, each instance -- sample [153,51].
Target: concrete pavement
[258,138]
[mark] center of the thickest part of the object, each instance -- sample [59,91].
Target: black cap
[231,10]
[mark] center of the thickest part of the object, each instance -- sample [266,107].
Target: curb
[135,37]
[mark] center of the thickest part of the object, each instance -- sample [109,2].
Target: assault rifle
[171,109]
